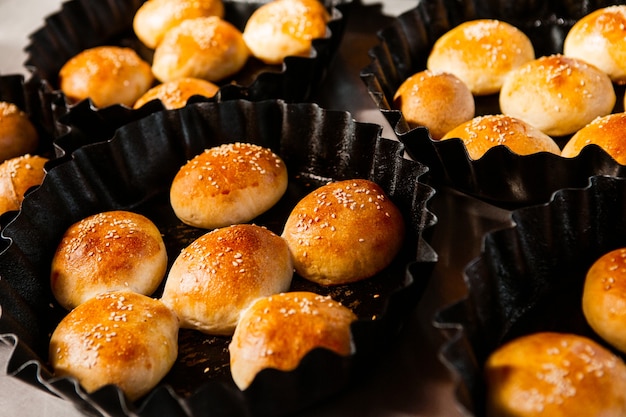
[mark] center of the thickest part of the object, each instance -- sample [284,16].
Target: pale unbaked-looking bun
[209,48]
[556,375]
[218,275]
[282,28]
[278,331]
[557,94]
[18,175]
[107,74]
[344,232]
[481,53]
[18,135]
[436,100]
[608,132]
[174,94]
[121,338]
[228,184]
[113,250]
[600,39]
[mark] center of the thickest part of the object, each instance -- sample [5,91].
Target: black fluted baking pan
[133,171]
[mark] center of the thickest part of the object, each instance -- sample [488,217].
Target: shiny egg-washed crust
[18,135]
[174,94]
[608,132]
[18,175]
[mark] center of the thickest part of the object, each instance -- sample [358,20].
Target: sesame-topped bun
[114,250]
[18,135]
[217,276]
[18,175]
[228,184]
[608,132]
[174,94]
[278,331]
[121,338]
[557,94]
[600,39]
[484,132]
[343,232]
[437,100]
[481,53]
[155,17]
[107,74]
[282,28]
[556,375]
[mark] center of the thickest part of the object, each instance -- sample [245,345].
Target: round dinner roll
[556,375]
[481,53]
[18,135]
[155,17]
[608,132]
[113,250]
[282,28]
[121,338]
[485,132]
[557,94]
[343,232]
[107,75]
[18,175]
[219,274]
[600,39]
[228,184]
[436,100]
[174,94]
[209,48]
[278,331]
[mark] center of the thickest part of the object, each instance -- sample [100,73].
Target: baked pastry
[219,274]
[608,132]
[107,75]
[228,184]
[278,331]
[282,28]
[18,135]
[343,232]
[436,100]
[209,48]
[485,132]
[155,17]
[481,53]
[121,338]
[557,94]
[18,175]
[174,94]
[113,250]
[600,39]
[556,375]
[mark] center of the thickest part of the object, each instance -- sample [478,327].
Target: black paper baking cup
[500,176]
[529,278]
[134,170]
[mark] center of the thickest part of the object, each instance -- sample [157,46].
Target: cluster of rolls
[194,48]
[566,96]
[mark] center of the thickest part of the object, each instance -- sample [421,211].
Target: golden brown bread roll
[556,375]
[557,94]
[155,17]
[278,331]
[484,132]
[114,250]
[121,338]
[343,232]
[18,135]
[209,48]
[222,272]
[228,184]
[608,132]
[481,53]
[437,100]
[107,74]
[174,94]
[18,175]
[282,28]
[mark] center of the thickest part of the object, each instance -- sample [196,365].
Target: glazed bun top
[608,132]
[18,175]
[18,135]
[175,94]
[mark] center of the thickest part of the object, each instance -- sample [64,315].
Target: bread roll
[18,175]
[174,94]
[222,272]
[608,132]
[107,75]
[155,17]
[228,184]
[205,47]
[557,94]
[481,53]
[114,250]
[18,135]
[556,375]
[436,100]
[600,39]
[282,28]
[344,232]
[121,338]
[278,331]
